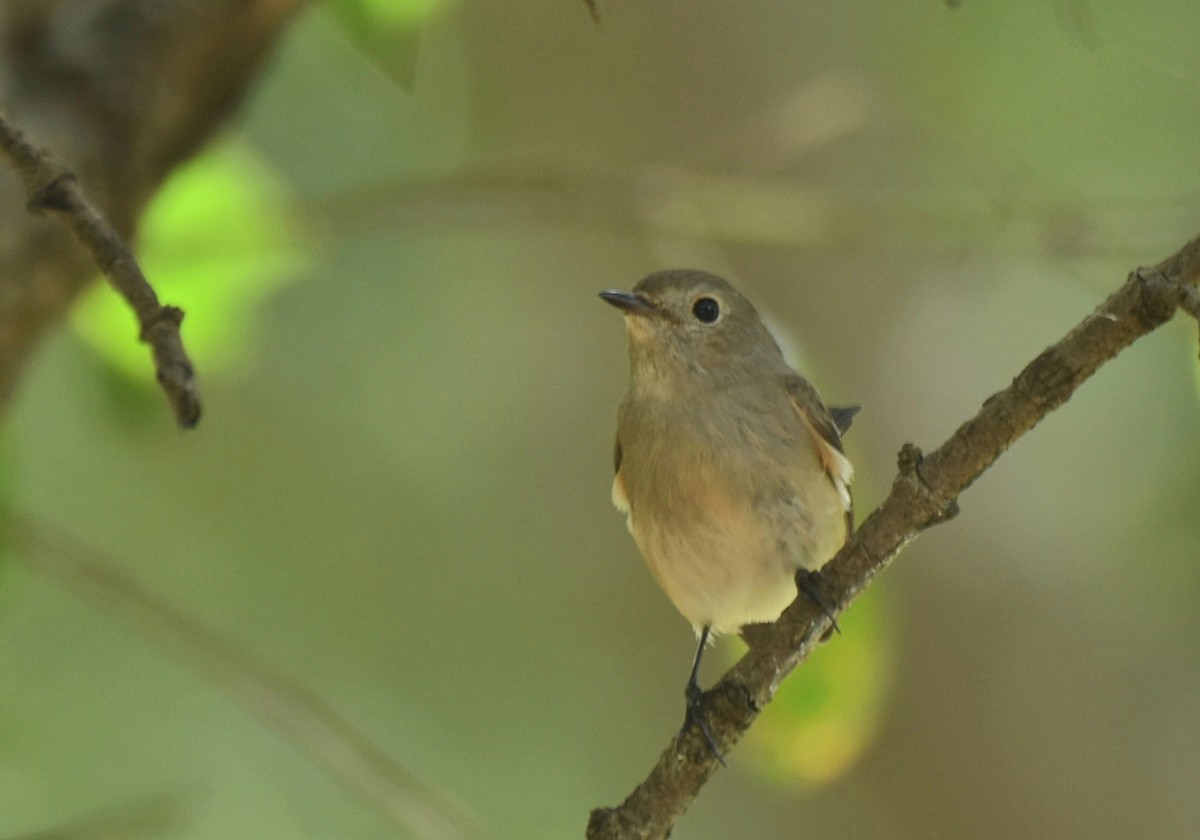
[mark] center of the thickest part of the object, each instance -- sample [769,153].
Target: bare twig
[924,493]
[739,212]
[54,189]
[290,708]
[1191,302]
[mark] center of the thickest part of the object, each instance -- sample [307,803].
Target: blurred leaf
[215,241]
[387,31]
[827,712]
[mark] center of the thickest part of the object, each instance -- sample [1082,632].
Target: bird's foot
[812,584]
[695,715]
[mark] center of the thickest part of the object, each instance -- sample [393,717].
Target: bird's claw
[810,584]
[695,715]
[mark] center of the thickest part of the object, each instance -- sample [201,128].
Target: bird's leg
[811,583]
[695,700]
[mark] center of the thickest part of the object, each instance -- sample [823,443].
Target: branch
[923,494]
[290,708]
[121,91]
[637,201]
[54,189]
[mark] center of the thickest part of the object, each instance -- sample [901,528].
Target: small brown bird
[729,465]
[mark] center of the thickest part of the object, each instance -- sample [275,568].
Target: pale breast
[721,568]
[725,505]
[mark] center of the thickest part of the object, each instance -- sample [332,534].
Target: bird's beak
[630,303]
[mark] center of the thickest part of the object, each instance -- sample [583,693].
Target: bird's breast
[725,507]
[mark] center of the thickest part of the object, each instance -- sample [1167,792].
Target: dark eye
[706,310]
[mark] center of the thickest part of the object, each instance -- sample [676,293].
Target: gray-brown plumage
[728,463]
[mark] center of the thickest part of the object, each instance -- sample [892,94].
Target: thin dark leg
[693,677]
[810,584]
[695,704]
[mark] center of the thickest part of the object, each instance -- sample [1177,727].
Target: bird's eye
[706,310]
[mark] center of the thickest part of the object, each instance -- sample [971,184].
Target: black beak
[629,302]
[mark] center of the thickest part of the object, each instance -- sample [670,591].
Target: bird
[729,467]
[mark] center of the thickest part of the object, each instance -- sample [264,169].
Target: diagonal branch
[292,709]
[924,493]
[54,189]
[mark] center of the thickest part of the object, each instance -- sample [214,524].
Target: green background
[399,492]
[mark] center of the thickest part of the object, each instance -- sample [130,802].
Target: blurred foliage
[400,491]
[216,241]
[828,711]
[387,31]
[1196,371]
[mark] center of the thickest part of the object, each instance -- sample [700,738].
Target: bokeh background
[399,494]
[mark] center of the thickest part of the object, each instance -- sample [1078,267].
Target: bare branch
[53,189]
[738,212]
[121,91]
[292,709]
[924,493]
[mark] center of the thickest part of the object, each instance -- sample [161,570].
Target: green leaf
[215,241]
[827,712]
[386,31]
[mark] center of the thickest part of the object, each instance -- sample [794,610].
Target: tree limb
[53,189]
[923,494]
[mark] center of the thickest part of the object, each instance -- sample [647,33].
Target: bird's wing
[620,500]
[824,428]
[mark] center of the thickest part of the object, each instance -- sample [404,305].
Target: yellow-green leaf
[826,713]
[386,31]
[215,241]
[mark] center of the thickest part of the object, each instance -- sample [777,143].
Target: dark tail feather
[844,416]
